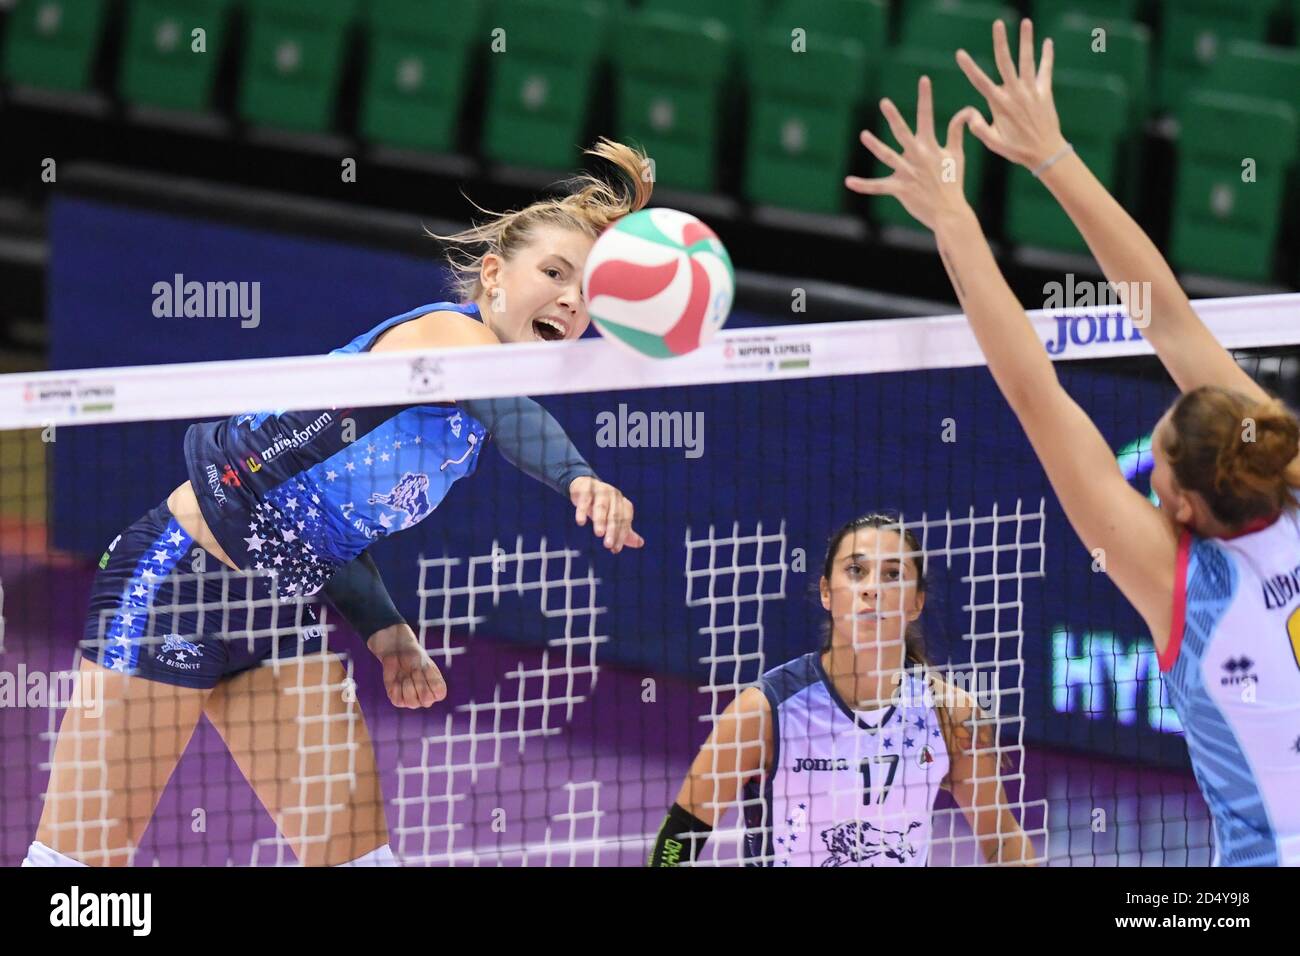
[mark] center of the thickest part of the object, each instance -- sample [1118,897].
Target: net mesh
[583,685]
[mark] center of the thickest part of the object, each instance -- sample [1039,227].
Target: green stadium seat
[744,19]
[160,66]
[1049,11]
[1192,35]
[52,43]
[293,62]
[1127,55]
[670,73]
[802,120]
[419,53]
[541,85]
[945,25]
[952,91]
[805,106]
[1097,108]
[1259,71]
[1221,225]
[866,21]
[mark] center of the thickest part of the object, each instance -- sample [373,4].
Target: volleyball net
[583,684]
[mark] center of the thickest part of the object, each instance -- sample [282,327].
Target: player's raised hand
[927,177]
[410,677]
[1025,127]
[608,509]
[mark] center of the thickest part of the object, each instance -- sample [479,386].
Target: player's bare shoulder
[751,701]
[441,329]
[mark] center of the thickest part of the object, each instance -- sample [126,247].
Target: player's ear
[489,272]
[918,605]
[1193,510]
[825,587]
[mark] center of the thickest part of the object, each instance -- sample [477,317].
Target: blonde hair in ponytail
[1240,478]
[591,204]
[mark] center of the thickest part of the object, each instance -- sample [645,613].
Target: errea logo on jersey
[1237,671]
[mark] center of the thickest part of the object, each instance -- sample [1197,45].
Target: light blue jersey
[1233,669]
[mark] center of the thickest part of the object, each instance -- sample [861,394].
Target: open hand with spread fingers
[927,177]
[1025,127]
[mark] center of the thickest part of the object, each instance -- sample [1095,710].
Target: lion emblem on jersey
[410,495]
[858,841]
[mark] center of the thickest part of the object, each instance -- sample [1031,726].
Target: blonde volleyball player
[842,752]
[303,495]
[1215,569]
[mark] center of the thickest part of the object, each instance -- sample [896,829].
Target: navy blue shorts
[164,609]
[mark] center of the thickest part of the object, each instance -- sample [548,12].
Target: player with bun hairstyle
[315,489]
[1215,569]
[842,752]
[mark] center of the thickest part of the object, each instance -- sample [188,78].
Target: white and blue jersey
[845,787]
[1233,669]
[302,493]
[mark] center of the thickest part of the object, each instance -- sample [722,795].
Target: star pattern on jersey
[785,845]
[288,538]
[295,531]
[121,650]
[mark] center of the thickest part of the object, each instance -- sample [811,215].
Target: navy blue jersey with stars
[846,787]
[302,493]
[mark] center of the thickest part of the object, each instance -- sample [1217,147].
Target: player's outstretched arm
[737,750]
[528,436]
[1137,545]
[1027,131]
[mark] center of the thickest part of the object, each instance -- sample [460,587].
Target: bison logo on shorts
[178,653]
[858,841]
[410,495]
[174,642]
